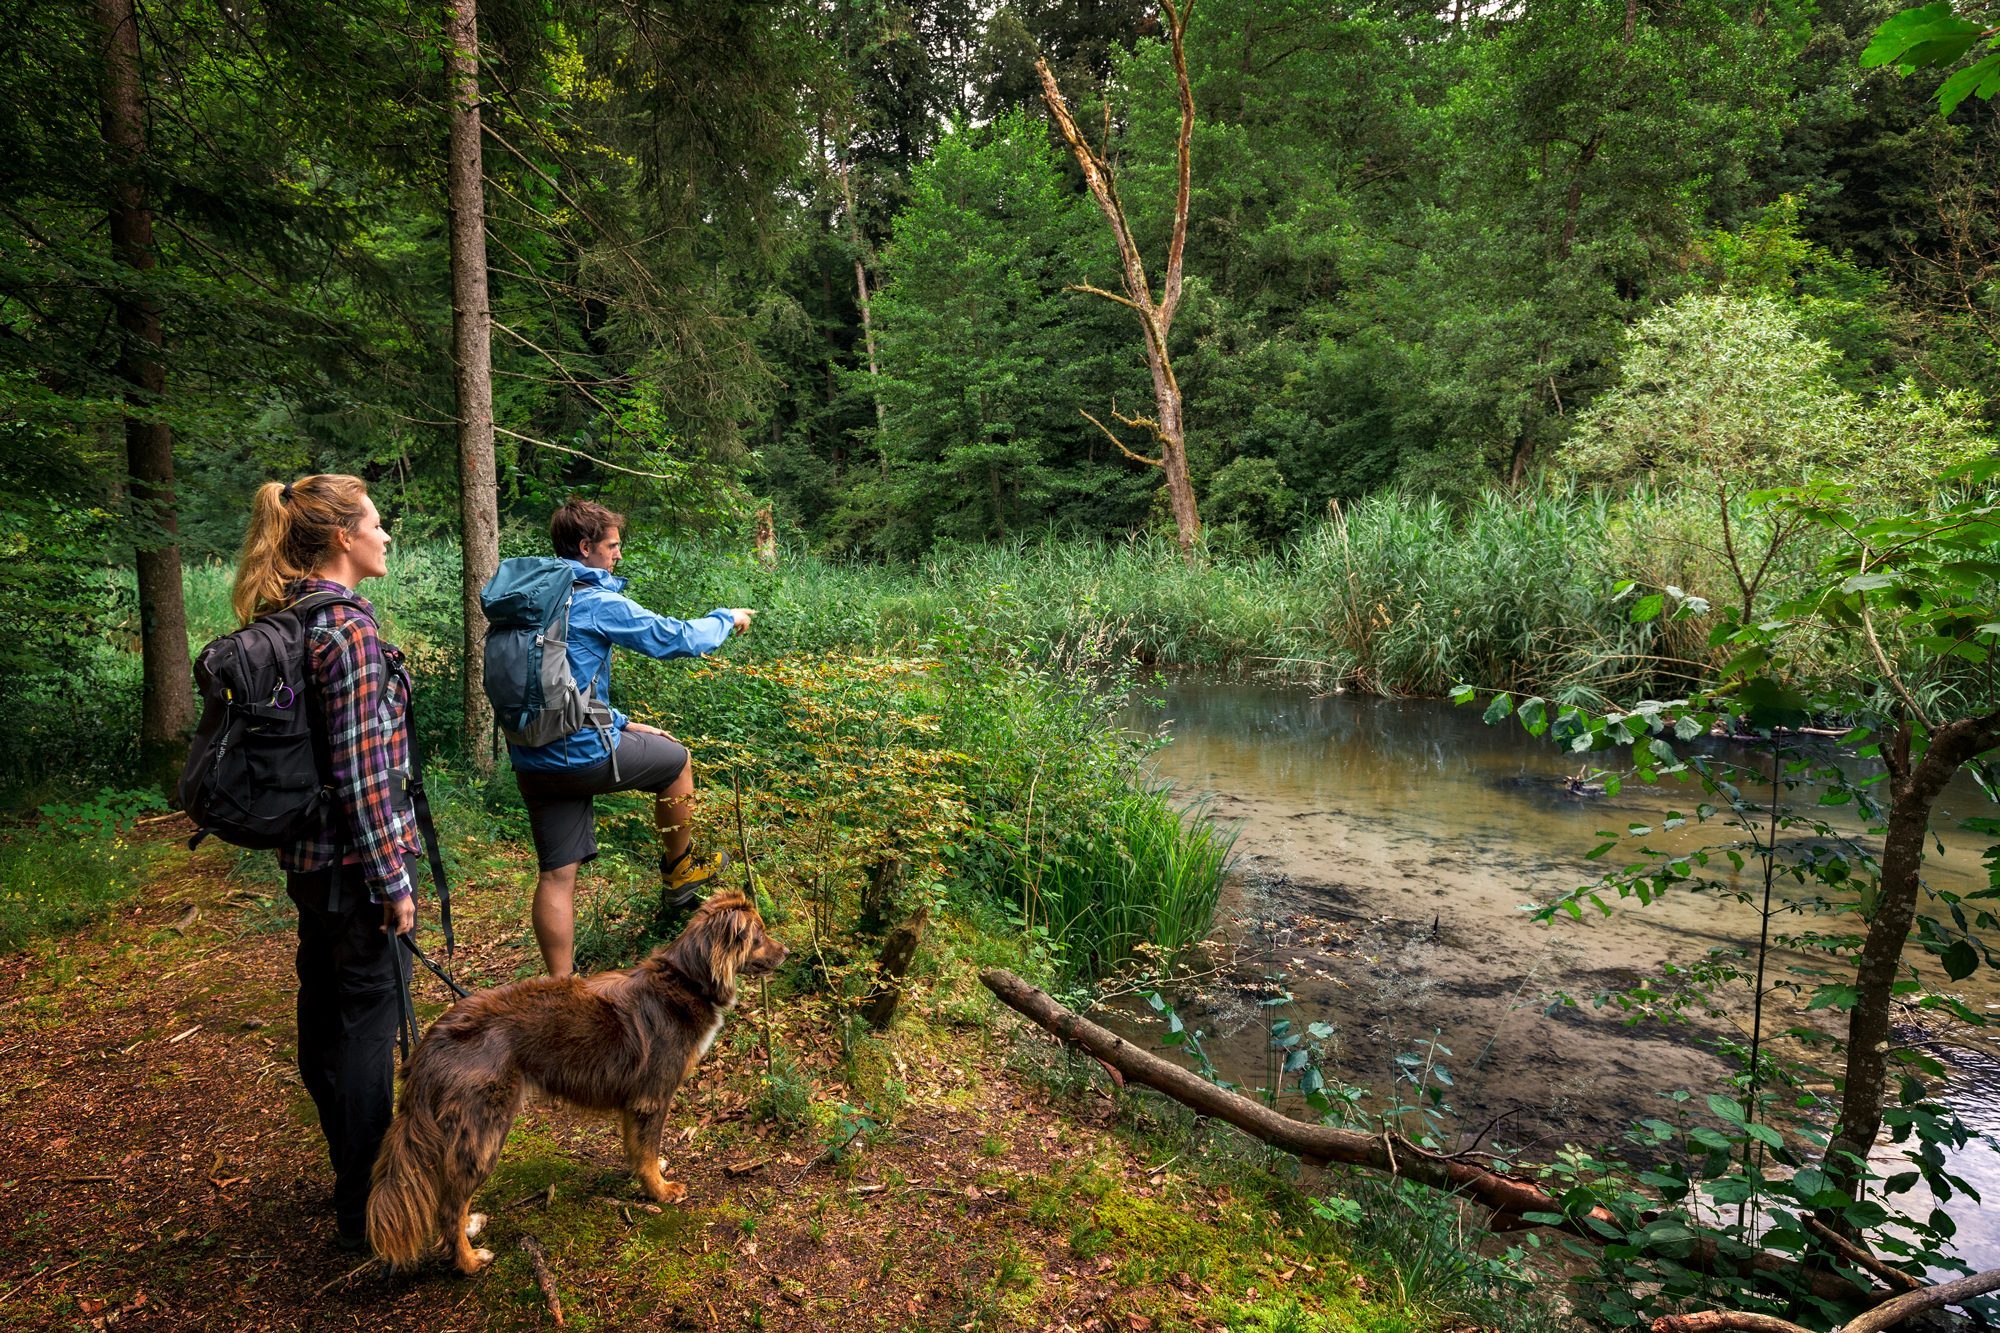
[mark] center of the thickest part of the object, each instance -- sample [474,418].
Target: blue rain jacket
[600,617]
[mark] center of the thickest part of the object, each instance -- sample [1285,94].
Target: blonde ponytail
[294,529]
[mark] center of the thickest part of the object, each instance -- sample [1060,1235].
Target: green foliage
[1936,36]
[1919,588]
[985,361]
[70,868]
[785,1098]
[1729,390]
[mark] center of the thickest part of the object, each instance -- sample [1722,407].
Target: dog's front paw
[666,1191]
[472,1261]
[474,1224]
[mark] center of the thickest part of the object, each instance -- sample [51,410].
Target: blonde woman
[322,535]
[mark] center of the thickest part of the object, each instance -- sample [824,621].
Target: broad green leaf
[1960,960]
[1728,1108]
[1980,79]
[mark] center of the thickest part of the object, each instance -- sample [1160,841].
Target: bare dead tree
[1156,317]
[472,351]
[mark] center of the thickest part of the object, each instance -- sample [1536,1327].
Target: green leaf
[1960,960]
[1462,694]
[1709,1139]
[1901,32]
[1768,704]
[1981,79]
[1497,711]
[1647,608]
[1728,1108]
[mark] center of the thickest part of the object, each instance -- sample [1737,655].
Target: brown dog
[614,1041]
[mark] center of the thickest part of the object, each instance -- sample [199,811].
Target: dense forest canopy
[831,259]
[1417,241]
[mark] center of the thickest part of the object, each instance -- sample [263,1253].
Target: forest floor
[161,1166]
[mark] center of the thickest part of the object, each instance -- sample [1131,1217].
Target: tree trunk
[472,351]
[167,708]
[897,951]
[1173,453]
[860,247]
[1914,790]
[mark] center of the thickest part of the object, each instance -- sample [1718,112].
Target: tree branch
[1137,458]
[1508,1197]
[565,449]
[1886,1315]
[1099,291]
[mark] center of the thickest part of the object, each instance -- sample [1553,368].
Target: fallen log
[1886,1315]
[1507,1197]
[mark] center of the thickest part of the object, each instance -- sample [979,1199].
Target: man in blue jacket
[559,781]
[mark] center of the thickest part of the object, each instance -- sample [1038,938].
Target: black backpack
[254,773]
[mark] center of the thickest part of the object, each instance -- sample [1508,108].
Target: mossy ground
[162,1169]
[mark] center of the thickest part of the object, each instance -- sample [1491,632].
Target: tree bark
[897,952]
[167,708]
[1508,1198]
[472,353]
[766,549]
[1914,790]
[1886,1315]
[859,244]
[1156,317]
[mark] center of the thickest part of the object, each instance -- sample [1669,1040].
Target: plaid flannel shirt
[363,696]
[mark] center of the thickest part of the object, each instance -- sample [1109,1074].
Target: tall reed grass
[1397,595]
[1141,877]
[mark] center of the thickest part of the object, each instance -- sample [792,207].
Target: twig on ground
[547,1196]
[53,1272]
[348,1276]
[544,1279]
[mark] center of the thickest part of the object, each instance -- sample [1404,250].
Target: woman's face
[368,543]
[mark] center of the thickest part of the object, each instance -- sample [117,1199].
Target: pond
[1390,853]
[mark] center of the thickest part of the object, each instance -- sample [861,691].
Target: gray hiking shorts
[561,812]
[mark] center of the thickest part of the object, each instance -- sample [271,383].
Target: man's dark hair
[580,521]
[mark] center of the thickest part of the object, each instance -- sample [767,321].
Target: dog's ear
[716,942]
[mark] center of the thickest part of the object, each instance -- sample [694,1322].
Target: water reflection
[1391,848]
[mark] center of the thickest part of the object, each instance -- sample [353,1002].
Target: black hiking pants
[347,1026]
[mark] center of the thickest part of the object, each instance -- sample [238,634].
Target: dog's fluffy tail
[403,1203]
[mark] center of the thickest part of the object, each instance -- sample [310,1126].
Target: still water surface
[1391,852]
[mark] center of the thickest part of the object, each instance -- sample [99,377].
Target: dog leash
[435,970]
[406,1018]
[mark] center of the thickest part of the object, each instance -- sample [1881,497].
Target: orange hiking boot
[684,879]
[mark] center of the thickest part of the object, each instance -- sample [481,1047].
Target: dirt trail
[160,1168]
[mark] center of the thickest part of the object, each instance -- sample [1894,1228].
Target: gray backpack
[536,701]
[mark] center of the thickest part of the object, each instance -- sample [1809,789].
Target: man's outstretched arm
[630,625]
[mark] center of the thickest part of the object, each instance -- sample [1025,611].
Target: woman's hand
[645,730]
[399,915]
[743,615]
